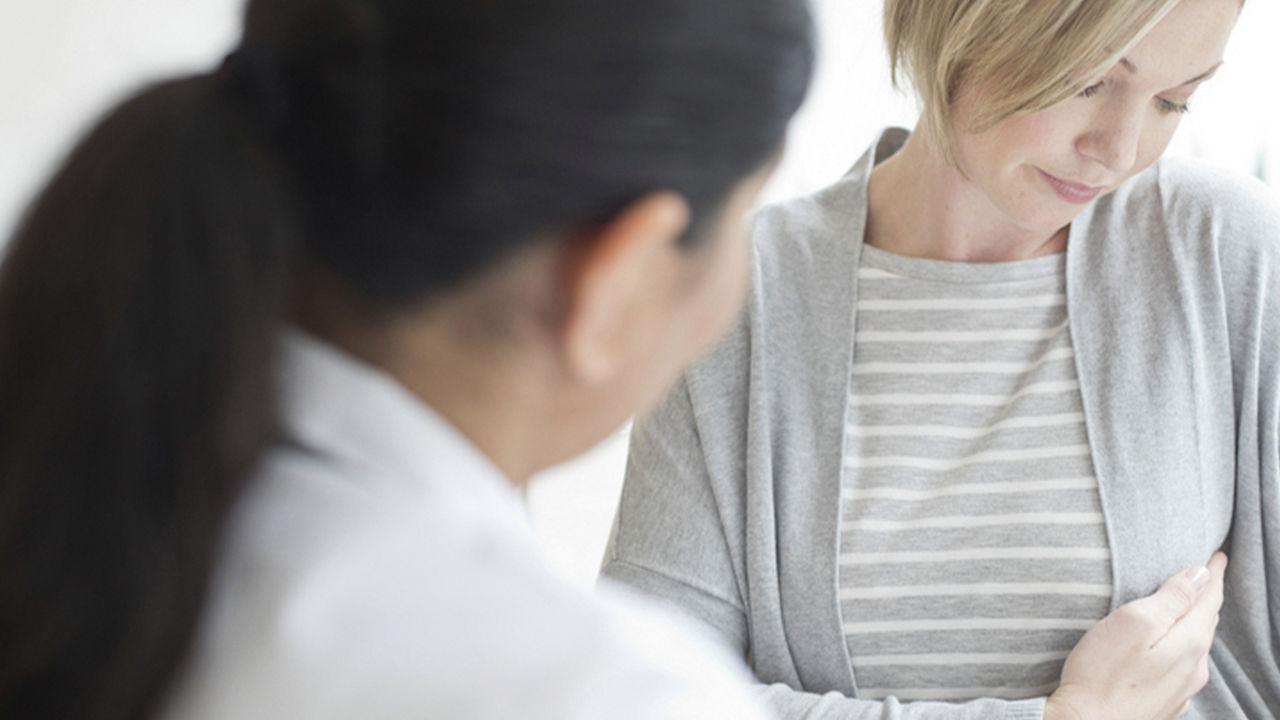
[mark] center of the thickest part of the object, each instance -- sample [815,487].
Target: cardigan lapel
[806,424]
[1160,424]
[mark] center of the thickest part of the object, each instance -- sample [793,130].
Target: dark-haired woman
[278,342]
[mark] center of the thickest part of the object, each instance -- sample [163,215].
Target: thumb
[1176,596]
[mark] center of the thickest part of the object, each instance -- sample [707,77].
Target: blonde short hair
[1022,55]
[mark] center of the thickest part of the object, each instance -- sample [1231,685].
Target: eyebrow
[1133,69]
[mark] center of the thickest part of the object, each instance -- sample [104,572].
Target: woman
[994,384]
[278,341]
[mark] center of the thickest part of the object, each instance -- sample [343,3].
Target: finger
[1175,598]
[1211,597]
[1218,568]
[1219,561]
[1194,632]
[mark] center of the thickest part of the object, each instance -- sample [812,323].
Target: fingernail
[1199,577]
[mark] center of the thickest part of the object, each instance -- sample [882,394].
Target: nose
[1112,140]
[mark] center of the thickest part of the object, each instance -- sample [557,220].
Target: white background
[63,62]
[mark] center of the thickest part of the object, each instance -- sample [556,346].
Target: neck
[499,392]
[920,205]
[491,400]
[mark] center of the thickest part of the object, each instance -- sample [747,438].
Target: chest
[974,551]
[1046,379]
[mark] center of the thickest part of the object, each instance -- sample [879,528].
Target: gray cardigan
[731,503]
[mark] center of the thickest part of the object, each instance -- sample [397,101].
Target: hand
[1146,660]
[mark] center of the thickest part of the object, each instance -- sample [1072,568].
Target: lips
[1072,192]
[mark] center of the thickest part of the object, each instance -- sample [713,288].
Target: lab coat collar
[333,404]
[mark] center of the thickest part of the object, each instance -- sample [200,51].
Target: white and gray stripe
[974,552]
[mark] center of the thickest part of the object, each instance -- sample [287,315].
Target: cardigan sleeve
[1247,651]
[668,539]
[1236,221]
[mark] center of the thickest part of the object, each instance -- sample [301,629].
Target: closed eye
[1172,108]
[1092,89]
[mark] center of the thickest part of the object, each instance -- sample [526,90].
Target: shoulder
[804,257]
[830,219]
[1237,216]
[1196,203]
[802,228]
[443,609]
[805,250]
[475,625]
[1197,186]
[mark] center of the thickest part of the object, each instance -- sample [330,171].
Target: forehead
[1189,41]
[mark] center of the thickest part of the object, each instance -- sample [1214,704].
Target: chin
[1056,213]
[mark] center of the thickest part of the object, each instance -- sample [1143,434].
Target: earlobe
[614,276]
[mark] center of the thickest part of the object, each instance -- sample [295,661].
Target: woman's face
[1040,170]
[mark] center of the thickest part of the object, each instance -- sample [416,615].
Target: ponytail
[139,304]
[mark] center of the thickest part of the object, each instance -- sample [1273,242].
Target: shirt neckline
[964,272]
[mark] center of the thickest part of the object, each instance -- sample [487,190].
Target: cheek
[1154,142]
[725,274]
[1003,153]
[737,268]
[1047,129]
[726,286]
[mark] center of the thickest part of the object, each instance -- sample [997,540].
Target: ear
[613,280]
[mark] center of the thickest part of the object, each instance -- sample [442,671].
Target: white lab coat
[381,567]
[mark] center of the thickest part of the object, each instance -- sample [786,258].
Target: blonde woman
[996,384]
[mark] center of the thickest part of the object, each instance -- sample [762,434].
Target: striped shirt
[973,549]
